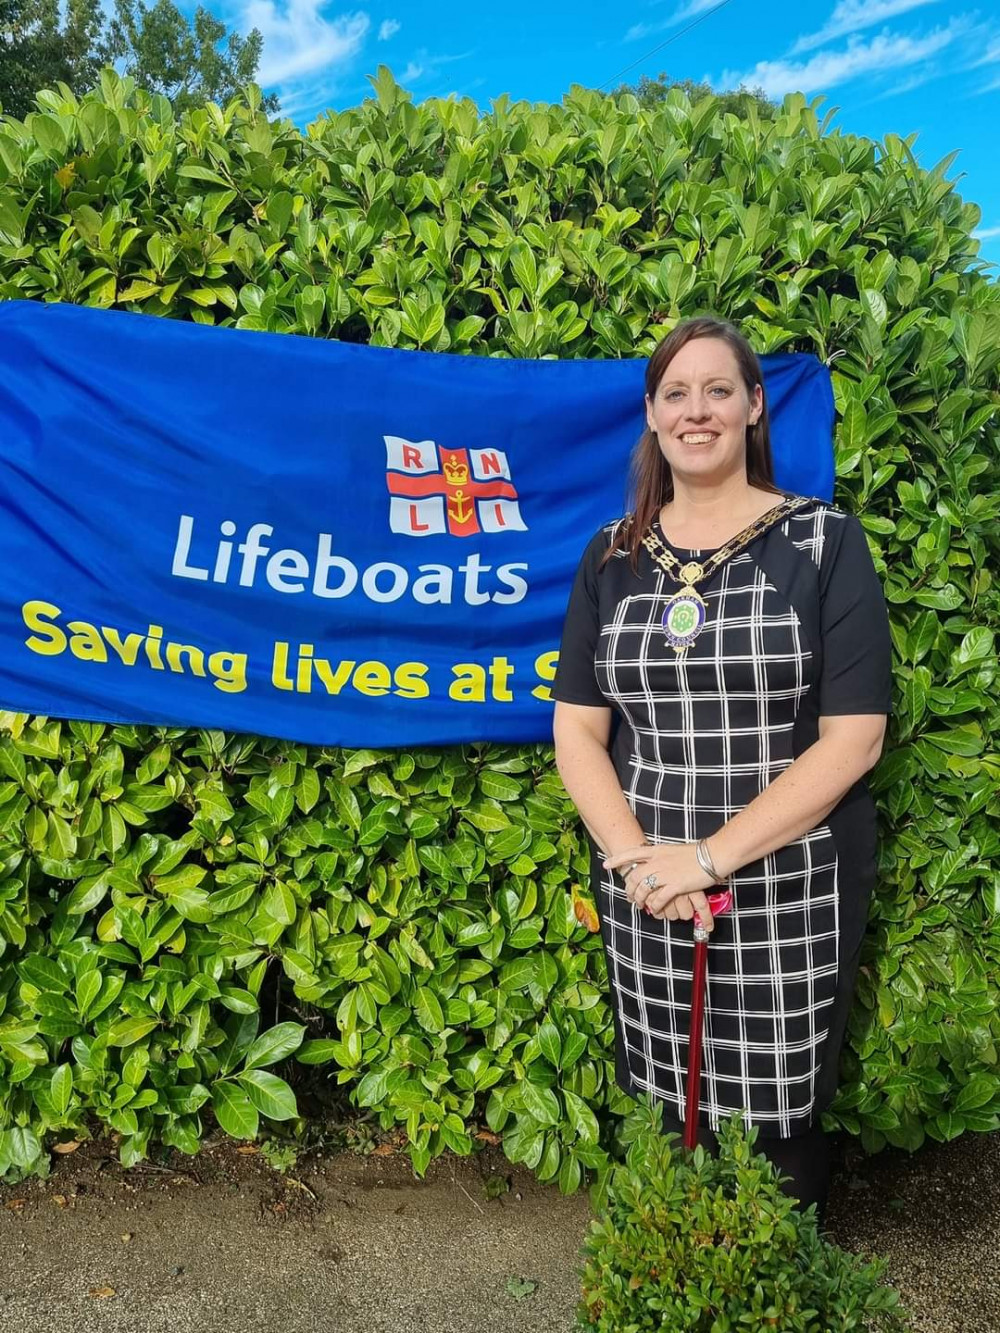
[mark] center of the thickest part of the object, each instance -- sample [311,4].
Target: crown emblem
[456,472]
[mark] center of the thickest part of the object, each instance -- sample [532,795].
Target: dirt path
[225,1244]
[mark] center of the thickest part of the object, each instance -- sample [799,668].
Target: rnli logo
[459,491]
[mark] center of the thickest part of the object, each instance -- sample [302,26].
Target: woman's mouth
[699,437]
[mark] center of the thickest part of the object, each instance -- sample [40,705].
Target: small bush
[686,1241]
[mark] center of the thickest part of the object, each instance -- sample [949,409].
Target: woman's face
[701,411]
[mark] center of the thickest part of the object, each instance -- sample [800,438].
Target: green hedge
[158,889]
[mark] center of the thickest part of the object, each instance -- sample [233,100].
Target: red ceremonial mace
[719,904]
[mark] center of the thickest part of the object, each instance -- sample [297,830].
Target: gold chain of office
[686,611]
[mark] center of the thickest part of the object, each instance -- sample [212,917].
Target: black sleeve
[575,681]
[854,623]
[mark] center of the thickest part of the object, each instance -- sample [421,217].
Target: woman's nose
[698,408]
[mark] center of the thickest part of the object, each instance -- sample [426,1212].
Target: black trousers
[805,1158]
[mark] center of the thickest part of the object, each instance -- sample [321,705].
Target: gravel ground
[935,1216]
[350,1244]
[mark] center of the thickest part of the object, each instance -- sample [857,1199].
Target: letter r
[412,456]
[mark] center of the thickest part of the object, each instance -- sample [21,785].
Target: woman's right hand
[684,907]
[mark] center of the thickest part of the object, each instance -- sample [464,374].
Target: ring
[650,881]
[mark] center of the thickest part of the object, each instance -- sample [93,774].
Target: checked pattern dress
[796,629]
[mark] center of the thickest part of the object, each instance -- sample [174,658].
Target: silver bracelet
[705,861]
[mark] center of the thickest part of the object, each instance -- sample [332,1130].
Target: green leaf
[573,1047]
[873,303]
[980,1089]
[550,1043]
[195,171]
[428,1010]
[945,1126]
[967,740]
[275,1044]
[22,1147]
[499,786]
[542,1103]
[88,987]
[279,211]
[570,1175]
[270,1095]
[976,647]
[853,434]
[12,227]
[240,1034]
[140,290]
[279,902]
[308,790]
[372,1089]
[43,973]
[237,1000]
[127,1031]
[282,804]
[214,805]
[235,1111]
[61,1088]
[188,877]
[522,262]
[917,690]
[12,761]
[581,1117]
[318,1052]
[49,135]
[359,760]
[192,905]
[976,338]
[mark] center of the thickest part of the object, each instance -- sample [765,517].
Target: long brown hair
[651,484]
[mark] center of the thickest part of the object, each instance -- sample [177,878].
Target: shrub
[423,903]
[686,1241]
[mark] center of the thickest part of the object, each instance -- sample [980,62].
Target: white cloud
[827,69]
[928,73]
[689,11]
[423,63]
[388,28]
[305,100]
[299,40]
[986,233]
[640,30]
[853,15]
[991,55]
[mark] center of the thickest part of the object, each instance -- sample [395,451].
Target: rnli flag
[459,491]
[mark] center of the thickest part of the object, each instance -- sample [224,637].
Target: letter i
[303,671]
[225,553]
[153,646]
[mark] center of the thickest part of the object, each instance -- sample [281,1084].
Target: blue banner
[339,544]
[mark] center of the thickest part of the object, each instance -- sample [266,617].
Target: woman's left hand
[674,870]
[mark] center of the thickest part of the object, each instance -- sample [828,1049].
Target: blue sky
[930,67]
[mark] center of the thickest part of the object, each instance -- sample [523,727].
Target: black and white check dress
[796,629]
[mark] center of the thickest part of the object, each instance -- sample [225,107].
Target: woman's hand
[679,883]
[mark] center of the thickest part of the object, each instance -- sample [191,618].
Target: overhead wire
[687,28]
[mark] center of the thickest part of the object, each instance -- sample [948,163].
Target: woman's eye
[719,390]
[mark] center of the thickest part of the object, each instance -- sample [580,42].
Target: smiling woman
[699,411]
[729,645]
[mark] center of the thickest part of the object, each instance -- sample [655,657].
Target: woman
[723,686]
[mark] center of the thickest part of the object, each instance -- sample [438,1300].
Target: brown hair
[651,484]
